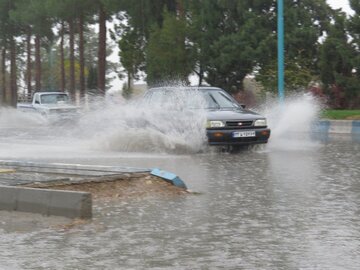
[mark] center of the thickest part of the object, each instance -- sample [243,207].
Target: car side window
[156,97]
[162,98]
[37,99]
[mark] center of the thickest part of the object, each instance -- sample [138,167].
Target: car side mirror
[243,106]
[37,102]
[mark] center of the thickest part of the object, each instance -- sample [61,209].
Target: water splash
[291,122]
[176,127]
[107,126]
[14,118]
[130,127]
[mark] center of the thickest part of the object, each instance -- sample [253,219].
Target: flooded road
[268,208]
[292,204]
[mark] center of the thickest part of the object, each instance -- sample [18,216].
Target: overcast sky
[343,4]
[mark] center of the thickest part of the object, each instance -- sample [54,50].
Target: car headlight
[260,123]
[215,124]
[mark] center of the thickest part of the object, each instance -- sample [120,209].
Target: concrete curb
[71,204]
[60,167]
[351,127]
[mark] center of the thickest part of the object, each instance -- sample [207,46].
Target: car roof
[200,88]
[47,93]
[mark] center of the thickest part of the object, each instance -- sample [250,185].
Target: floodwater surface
[292,204]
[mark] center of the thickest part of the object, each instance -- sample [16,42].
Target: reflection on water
[278,209]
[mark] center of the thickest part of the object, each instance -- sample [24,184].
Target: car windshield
[54,98]
[192,98]
[217,99]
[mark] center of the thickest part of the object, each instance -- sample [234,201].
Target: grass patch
[341,114]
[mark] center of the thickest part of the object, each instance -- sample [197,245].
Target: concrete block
[341,127]
[322,126]
[33,200]
[8,198]
[70,204]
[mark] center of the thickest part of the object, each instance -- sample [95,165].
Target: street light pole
[280,36]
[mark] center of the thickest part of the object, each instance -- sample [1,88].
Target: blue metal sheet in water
[355,127]
[168,176]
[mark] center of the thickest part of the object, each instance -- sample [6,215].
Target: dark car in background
[228,122]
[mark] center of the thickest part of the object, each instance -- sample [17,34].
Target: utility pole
[280,36]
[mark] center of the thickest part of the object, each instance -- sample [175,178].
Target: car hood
[59,106]
[232,114]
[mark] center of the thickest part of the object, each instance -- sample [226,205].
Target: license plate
[240,134]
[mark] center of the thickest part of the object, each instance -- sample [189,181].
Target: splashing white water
[171,127]
[13,118]
[107,126]
[291,122]
[174,127]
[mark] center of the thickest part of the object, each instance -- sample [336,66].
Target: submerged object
[169,177]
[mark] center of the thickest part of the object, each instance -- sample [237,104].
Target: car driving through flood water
[228,122]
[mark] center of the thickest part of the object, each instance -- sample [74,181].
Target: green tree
[91,58]
[167,56]
[305,23]
[105,9]
[9,30]
[228,37]
[354,31]
[92,80]
[67,11]
[131,54]
[34,19]
[337,64]
[5,30]
[204,19]
[140,17]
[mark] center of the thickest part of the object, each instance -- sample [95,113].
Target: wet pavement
[293,205]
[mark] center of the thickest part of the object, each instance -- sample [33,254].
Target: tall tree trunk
[102,51]
[200,75]
[3,76]
[72,60]
[28,62]
[130,80]
[62,61]
[13,75]
[180,8]
[81,56]
[37,63]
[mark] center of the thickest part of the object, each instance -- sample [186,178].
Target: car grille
[239,124]
[63,110]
